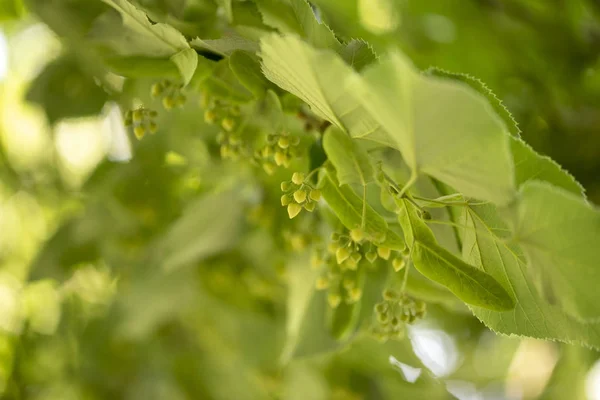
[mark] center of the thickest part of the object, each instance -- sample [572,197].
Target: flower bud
[298,178]
[279,158]
[398,263]
[310,207]
[228,124]
[300,196]
[384,252]
[357,234]
[139,131]
[371,256]
[315,195]
[293,209]
[342,254]
[283,142]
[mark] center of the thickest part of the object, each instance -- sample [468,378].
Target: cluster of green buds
[342,284]
[297,241]
[279,151]
[170,92]
[142,121]
[394,312]
[232,145]
[299,194]
[355,244]
[225,115]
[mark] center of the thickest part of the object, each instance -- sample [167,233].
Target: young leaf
[226,45]
[225,85]
[297,17]
[531,165]
[186,62]
[560,235]
[342,319]
[157,40]
[351,162]
[319,78]
[442,128]
[184,243]
[247,70]
[358,54]
[142,67]
[64,90]
[348,207]
[306,333]
[467,282]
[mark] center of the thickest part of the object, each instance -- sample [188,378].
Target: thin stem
[408,185]
[363,220]
[405,278]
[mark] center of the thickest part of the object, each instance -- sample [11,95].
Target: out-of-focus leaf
[207,227]
[351,162]
[358,54]
[297,17]
[247,70]
[186,62]
[64,90]
[226,44]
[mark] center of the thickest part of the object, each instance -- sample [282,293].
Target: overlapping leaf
[135,35]
[560,235]
[443,129]
[349,209]
[351,161]
[318,77]
[467,282]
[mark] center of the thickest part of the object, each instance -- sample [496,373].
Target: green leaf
[201,231]
[319,78]
[358,54]
[247,70]
[137,36]
[227,8]
[227,44]
[343,319]
[467,282]
[351,161]
[559,233]
[442,128]
[485,244]
[482,89]
[297,17]
[142,67]
[349,207]
[64,90]
[531,165]
[224,84]
[186,62]
[306,333]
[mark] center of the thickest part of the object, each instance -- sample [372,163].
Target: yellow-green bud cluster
[232,145]
[142,121]
[280,150]
[299,194]
[394,312]
[170,92]
[341,284]
[296,241]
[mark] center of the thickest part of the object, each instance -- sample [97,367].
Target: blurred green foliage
[153,269]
